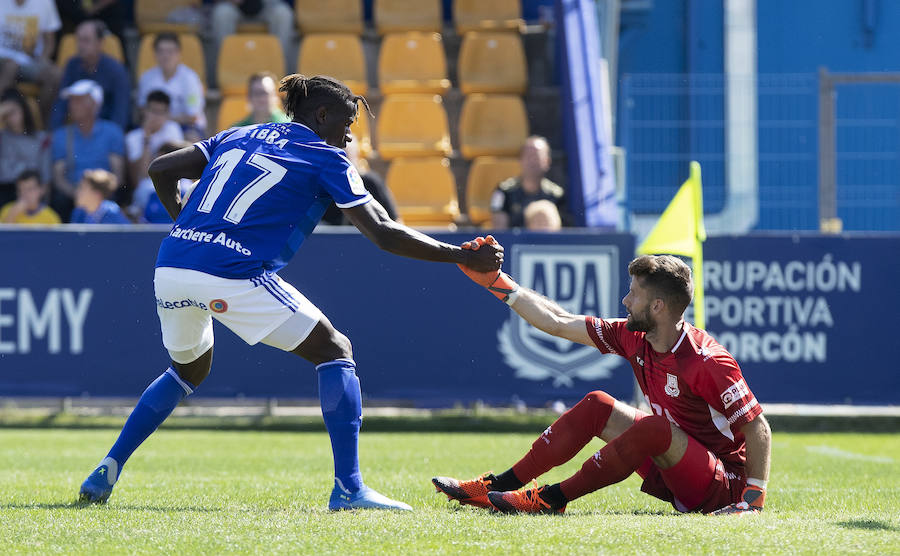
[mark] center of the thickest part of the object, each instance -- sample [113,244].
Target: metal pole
[827,164]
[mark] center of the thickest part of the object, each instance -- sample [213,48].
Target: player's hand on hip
[752,499]
[485,259]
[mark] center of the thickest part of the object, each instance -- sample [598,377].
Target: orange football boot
[527,501]
[472,493]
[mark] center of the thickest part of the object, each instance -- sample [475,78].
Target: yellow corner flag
[680,231]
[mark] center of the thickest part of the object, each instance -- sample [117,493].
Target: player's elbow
[759,430]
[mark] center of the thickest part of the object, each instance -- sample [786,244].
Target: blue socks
[341,403]
[156,403]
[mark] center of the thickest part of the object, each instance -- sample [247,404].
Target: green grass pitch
[211,492]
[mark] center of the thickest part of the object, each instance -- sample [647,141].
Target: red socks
[648,437]
[566,437]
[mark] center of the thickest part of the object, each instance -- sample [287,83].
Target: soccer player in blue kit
[261,191]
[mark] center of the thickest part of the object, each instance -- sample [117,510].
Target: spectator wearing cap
[85,143]
[92,204]
[180,82]
[91,63]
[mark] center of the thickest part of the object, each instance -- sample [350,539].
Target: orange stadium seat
[472,15]
[492,62]
[361,131]
[485,173]
[394,16]
[191,54]
[492,125]
[339,55]
[413,125]
[68,48]
[424,190]
[333,16]
[242,55]
[151,16]
[412,62]
[232,109]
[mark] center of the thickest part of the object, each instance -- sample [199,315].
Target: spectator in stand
[92,204]
[148,208]
[27,38]
[22,145]
[373,183]
[276,14]
[91,63]
[142,144]
[265,104]
[30,206]
[514,194]
[542,216]
[85,143]
[180,82]
[110,12]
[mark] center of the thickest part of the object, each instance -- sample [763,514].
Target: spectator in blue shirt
[91,63]
[84,144]
[92,204]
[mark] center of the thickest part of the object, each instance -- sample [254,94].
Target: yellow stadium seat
[395,16]
[242,55]
[492,125]
[191,54]
[424,190]
[339,55]
[151,15]
[361,131]
[485,173]
[232,109]
[471,15]
[68,48]
[413,125]
[492,62]
[333,16]
[412,62]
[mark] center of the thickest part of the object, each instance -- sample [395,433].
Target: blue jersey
[263,191]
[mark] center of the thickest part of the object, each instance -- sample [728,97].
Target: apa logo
[582,279]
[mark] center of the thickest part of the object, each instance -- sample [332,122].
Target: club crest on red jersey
[672,385]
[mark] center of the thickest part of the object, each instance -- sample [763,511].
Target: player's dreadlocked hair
[305,94]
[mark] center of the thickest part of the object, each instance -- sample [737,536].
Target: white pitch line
[838,453]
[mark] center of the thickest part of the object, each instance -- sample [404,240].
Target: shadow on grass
[871,524]
[82,506]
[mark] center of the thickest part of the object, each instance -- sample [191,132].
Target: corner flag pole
[680,231]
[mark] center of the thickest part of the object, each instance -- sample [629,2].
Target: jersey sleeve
[207,146]
[610,335]
[722,385]
[342,181]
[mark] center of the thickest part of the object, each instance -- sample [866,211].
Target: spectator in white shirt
[178,81]
[141,144]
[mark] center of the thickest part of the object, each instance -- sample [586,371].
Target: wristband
[503,286]
[512,297]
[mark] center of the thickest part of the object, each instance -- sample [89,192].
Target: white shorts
[263,309]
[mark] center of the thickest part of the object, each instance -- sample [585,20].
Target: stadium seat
[191,54]
[242,55]
[334,16]
[395,16]
[361,131]
[233,108]
[492,125]
[412,62]
[339,55]
[472,15]
[424,190]
[152,16]
[413,125]
[67,48]
[484,175]
[492,62]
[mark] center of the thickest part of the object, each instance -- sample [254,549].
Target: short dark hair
[166,36]
[28,174]
[160,96]
[305,94]
[667,277]
[100,28]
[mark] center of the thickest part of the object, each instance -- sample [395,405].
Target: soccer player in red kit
[705,448]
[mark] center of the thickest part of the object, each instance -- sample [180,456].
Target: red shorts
[700,482]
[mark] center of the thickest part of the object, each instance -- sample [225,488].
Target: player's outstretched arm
[166,170]
[758,439]
[539,311]
[373,221]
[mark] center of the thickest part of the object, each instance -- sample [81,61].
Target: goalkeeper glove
[497,282]
[752,499]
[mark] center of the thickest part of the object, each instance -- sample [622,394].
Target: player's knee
[598,398]
[652,433]
[342,346]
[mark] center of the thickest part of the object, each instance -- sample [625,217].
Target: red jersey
[697,385]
